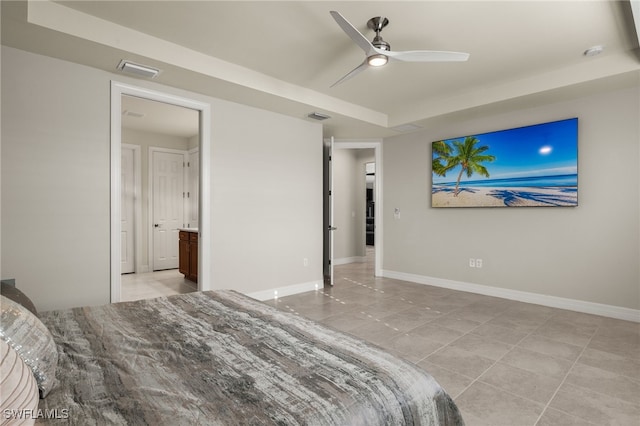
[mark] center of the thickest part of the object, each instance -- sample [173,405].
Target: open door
[168,206]
[329,213]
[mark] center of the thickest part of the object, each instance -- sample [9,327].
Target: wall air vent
[318,116]
[137,69]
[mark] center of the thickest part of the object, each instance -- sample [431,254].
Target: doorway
[121,93]
[159,188]
[346,209]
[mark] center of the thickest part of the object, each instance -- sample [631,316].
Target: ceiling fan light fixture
[377,60]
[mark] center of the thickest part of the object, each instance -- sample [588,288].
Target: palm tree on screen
[469,157]
[441,151]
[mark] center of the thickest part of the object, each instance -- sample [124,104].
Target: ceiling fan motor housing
[380,43]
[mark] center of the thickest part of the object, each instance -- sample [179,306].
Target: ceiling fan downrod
[377,24]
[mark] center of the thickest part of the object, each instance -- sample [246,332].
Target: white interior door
[168,207]
[127,223]
[193,173]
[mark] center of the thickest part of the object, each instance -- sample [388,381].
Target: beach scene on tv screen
[533,166]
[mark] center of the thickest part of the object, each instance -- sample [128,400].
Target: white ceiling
[284,56]
[158,117]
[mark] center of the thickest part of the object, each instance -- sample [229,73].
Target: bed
[219,358]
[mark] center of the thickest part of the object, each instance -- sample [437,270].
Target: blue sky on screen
[546,149]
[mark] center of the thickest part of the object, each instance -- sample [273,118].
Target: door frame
[150,191]
[204,228]
[137,205]
[376,145]
[189,209]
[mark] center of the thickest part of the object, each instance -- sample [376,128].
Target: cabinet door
[193,260]
[183,249]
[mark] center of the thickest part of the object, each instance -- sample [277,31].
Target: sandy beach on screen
[442,196]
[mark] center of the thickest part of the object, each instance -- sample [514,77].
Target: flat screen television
[532,166]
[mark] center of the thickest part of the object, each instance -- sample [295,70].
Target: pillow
[31,339]
[18,388]
[12,292]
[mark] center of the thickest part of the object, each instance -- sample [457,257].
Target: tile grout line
[564,379]
[513,346]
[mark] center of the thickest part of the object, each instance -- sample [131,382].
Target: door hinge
[188,194]
[329,192]
[183,196]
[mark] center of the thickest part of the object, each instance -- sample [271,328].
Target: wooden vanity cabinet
[188,255]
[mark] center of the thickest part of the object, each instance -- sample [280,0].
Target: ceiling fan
[378,52]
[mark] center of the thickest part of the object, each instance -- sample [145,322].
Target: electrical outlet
[472,263]
[305,261]
[478,263]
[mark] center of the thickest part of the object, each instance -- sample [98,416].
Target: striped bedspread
[222,358]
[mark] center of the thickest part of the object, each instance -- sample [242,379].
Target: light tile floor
[154,284]
[504,362]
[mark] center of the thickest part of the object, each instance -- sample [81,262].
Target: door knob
[156,225]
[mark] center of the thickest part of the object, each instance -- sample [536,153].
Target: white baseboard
[346,260]
[286,291]
[611,311]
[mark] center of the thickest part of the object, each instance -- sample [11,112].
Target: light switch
[396,213]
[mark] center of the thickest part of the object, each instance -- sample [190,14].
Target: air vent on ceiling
[405,128]
[318,116]
[132,114]
[137,69]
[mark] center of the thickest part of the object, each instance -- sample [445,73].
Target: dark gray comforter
[221,358]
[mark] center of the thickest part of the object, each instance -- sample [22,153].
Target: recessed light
[593,51]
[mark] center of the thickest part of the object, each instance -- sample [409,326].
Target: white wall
[345,205]
[266,180]
[588,253]
[350,203]
[1,274]
[267,199]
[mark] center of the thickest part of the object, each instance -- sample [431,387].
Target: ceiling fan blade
[353,33]
[425,56]
[363,66]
